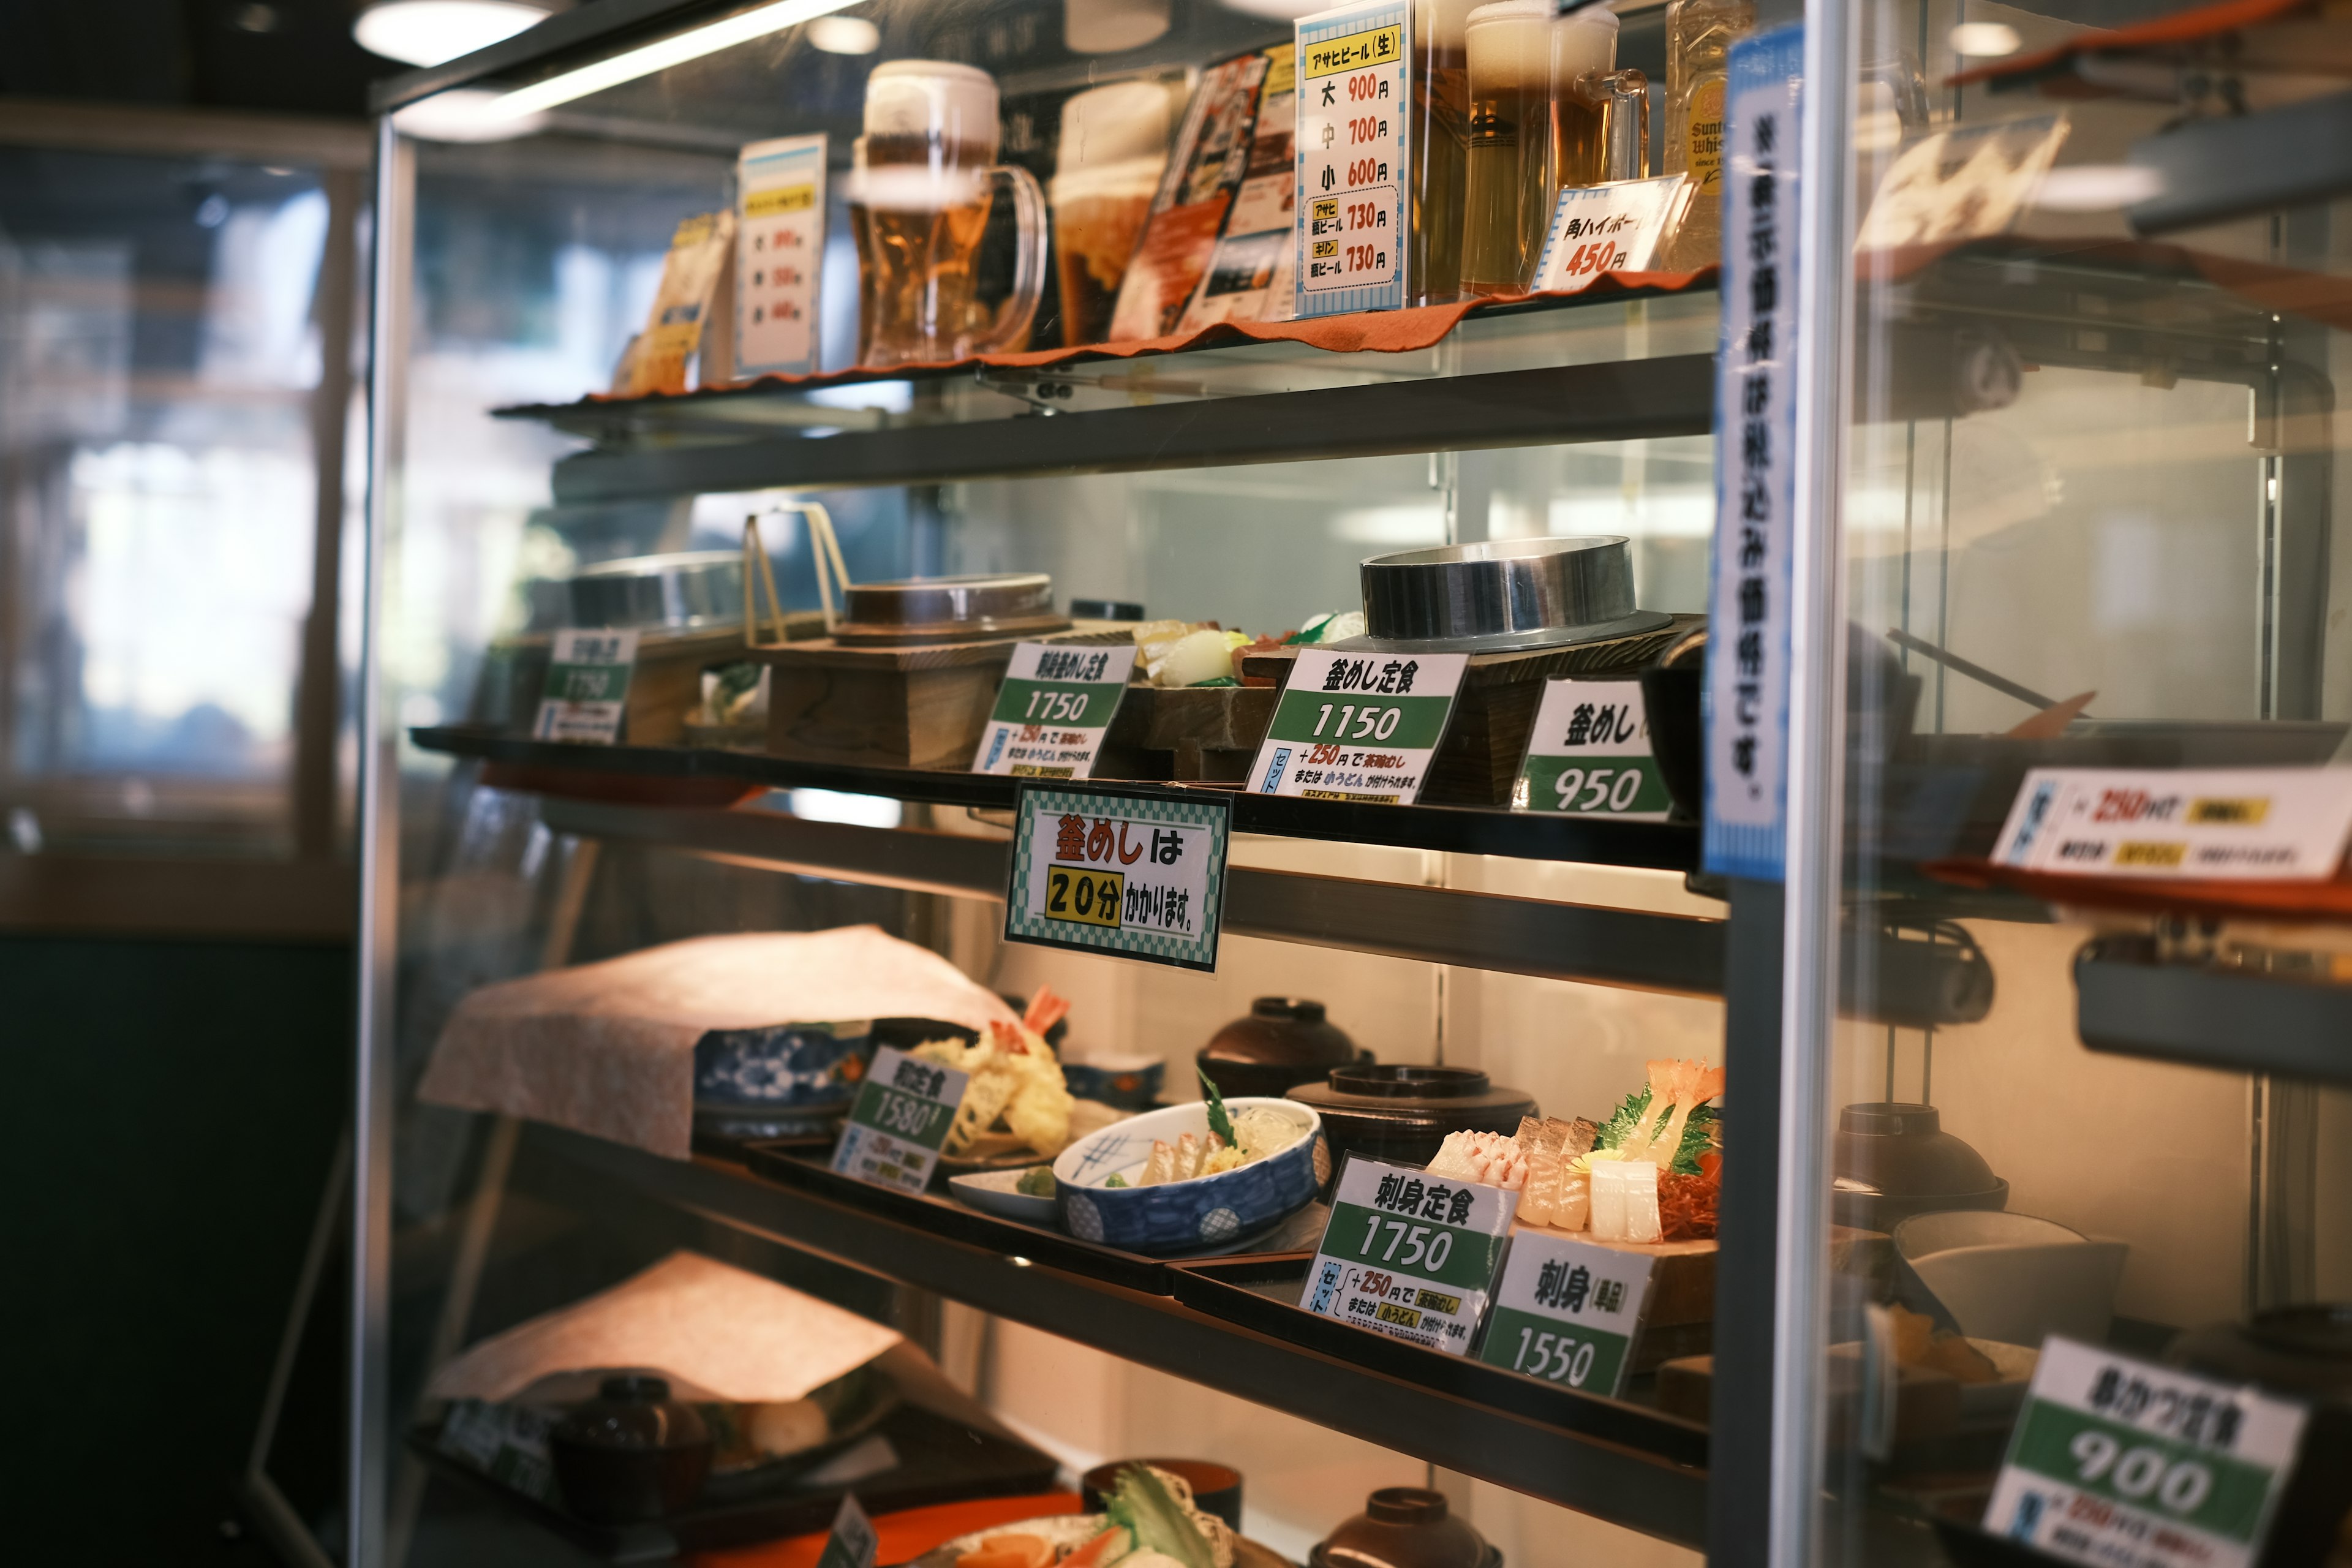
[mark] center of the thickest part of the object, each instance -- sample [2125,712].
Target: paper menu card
[657,358]
[608,1048]
[715,1332]
[1249,275]
[1208,167]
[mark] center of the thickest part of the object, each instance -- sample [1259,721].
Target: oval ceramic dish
[1181,1216]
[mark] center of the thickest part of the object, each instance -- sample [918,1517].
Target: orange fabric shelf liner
[1361,331]
[902,1536]
[2193,25]
[2291,902]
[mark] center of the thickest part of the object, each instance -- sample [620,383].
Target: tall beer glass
[1583,52]
[922,198]
[1440,137]
[1113,150]
[1507,187]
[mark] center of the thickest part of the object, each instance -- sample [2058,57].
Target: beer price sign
[1359,726]
[1138,874]
[1351,153]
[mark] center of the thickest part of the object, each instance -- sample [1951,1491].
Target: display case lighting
[429,32]
[662,54]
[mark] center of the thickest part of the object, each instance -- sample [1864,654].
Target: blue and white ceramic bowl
[1183,1216]
[1132,1083]
[798,1066]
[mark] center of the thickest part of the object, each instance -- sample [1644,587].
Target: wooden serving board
[665,687]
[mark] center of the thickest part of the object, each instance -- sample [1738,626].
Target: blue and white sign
[1747,665]
[1353,153]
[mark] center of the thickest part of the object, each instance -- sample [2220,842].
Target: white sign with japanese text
[1139,873]
[1353,154]
[1567,1311]
[899,1120]
[1359,726]
[779,255]
[1588,754]
[1410,1255]
[1747,664]
[2265,825]
[587,690]
[1053,710]
[2121,1464]
[1615,228]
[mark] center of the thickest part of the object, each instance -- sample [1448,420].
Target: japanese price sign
[1755,455]
[1589,754]
[1052,710]
[1138,874]
[2120,1464]
[778,249]
[899,1121]
[1352,154]
[2272,824]
[851,1542]
[1359,726]
[1614,227]
[587,687]
[1409,1256]
[1566,1311]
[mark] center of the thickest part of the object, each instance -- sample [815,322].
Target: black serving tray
[939,1460]
[1261,1293]
[799,1164]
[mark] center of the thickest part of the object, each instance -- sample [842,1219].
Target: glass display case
[750,380]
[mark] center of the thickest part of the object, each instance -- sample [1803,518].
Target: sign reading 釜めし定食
[2270,825]
[1139,873]
[1589,754]
[1755,463]
[1409,1256]
[899,1120]
[1053,709]
[2121,1464]
[1352,154]
[1358,726]
[587,687]
[1567,1311]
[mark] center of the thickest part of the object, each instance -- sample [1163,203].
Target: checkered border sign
[1184,808]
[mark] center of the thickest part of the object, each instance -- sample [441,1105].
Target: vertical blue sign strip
[1748,673]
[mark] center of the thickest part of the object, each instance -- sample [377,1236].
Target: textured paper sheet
[608,1048]
[715,1332]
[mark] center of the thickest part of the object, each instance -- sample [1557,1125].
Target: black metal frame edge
[2128,1003]
[1591,1471]
[1672,394]
[595,22]
[1468,830]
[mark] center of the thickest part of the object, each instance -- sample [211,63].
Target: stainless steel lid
[685,588]
[946,609]
[1503,594]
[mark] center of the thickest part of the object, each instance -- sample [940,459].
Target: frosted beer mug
[1583,53]
[1113,151]
[921,195]
[1507,189]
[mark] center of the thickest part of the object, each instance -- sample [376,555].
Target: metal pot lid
[946,609]
[1500,594]
[677,589]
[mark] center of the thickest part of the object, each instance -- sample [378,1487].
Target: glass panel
[162,364]
[2089,523]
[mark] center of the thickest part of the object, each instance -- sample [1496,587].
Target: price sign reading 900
[1351,151]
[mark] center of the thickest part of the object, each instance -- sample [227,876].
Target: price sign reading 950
[1351,151]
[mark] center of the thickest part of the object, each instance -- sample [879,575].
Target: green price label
[1596,785]
[1546,1348]
[1361,719]
[923,1121]
[2212,1491]
[1048,702]
[1423,1249]
[899,1121]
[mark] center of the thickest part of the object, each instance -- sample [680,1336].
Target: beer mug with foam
[1507,197]
[919,195]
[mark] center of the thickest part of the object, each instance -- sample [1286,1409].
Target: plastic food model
[1015,1079]
[1150,1521]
